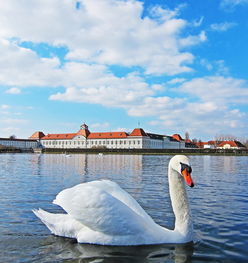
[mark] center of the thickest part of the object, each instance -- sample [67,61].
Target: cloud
[229,5]
[176,81]
[95,84]
[27,67]
[120,36]
[100,126]
[219,89]
[207,102]
[222,26]
[5,106]
[197,23]
[193,40]
[97,35]
[13,91]
[14,121]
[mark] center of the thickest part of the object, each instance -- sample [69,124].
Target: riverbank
[152,151]
[239,152]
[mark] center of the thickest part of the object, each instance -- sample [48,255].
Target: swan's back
[102,195]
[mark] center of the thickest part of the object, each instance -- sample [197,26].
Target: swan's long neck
[180,205]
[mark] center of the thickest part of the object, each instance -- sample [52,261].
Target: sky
[167,66]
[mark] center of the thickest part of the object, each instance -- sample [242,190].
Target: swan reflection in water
[68,250]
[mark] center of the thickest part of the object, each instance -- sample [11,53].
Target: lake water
[219,204]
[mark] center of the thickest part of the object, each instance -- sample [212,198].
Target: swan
[101,212]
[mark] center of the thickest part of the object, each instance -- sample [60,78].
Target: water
[219,204]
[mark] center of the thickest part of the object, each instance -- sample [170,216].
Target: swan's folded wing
[100,211]
[115,190]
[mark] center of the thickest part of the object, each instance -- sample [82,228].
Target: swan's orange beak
[187,177]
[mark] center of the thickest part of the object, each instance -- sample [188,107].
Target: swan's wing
[115,190]
[59,224]
[100,211]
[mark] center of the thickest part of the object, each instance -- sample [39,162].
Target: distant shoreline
[233,152]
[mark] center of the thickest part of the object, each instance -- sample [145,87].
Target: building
[230,145]
[24,144]
[137,139]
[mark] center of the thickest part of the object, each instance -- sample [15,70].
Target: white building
[19,143]
[137,139]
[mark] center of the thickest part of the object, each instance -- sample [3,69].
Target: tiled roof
[84,132]
[37,135]
[177,137]
[231,143]
[107,135]
[64,136]
[212,142]
[138,132]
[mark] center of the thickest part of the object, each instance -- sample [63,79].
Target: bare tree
[225,137]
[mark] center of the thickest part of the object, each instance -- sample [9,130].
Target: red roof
[37,135]
[59,136]
[212,142]
[138,132]
[231,143]
[84,132]
[107,135]
[177,137]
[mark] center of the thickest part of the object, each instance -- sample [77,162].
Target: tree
[225,137]
[12,136]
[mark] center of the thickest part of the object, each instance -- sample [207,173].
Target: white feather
[100,212]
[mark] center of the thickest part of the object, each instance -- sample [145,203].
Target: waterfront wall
[152,151]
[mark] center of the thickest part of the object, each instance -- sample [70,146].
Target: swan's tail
[59,224]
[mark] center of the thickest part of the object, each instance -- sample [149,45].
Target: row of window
[23,144]
[56,142]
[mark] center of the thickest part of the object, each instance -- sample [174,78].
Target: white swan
[100,212]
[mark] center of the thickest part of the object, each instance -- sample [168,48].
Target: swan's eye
[187,167]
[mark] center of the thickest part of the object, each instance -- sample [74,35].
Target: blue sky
[168,66]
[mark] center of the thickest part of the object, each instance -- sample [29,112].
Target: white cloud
[100,126]
[94,84]
[222,26]
[14,121]
[230,4]
[13,91]
[120,36]
[5,106]
[165,13]
[27,67]
[176,81]
[224,90]
[103,33]
[197,23]
[193,40]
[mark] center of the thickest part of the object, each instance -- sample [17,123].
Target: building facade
[137,139]
[230,145]
[19,143]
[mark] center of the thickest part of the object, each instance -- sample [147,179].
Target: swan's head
[180,163]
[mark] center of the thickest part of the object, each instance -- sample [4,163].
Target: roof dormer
[84,130]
